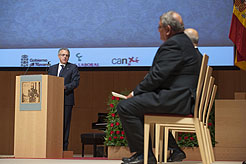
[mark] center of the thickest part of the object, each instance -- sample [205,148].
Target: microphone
[32,64]
[48,65]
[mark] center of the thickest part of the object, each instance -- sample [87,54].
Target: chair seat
[169,115]
[169,118]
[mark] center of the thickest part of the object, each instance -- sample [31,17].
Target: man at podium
[71,76]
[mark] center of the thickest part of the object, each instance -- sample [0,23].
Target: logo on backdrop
[127,61]
[79,56]
[39,62]
[87,64]
[33,62]
[24,60]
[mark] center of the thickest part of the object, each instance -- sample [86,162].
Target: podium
[39,102]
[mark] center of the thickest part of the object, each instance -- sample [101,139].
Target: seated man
[169,88]
[194,37]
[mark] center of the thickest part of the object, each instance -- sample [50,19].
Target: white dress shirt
[59,68]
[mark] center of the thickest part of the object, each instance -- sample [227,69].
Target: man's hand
[130,95]
[65,87]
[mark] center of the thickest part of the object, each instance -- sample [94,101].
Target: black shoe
[125,159]
[177,156]
[244,162]
[140,160]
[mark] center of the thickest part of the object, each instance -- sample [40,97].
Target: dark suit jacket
[199,55]
[71,80]
[172,79]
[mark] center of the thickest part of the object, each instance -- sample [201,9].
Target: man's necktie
[61,70]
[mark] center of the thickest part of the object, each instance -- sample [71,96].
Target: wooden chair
[205,125]
[211,91]
[205,100]
[190,121]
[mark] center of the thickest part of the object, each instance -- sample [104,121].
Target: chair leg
[152,133]
[157,141]
[205,143]
[209,148]
[146,142]
[210,144]
[200,141]
[161,143]
[166,130]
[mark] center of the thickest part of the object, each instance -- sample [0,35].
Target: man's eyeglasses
[67,55]
[159,27]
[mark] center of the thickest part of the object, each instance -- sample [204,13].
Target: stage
[90,161]
[77,159]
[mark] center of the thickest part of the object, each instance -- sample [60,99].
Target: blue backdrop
[107,23]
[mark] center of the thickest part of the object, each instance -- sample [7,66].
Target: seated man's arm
[168,60]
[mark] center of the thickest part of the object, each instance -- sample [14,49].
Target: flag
[238,32]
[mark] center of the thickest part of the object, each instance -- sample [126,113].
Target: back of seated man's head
[174,20]
[170,24]
[193,35]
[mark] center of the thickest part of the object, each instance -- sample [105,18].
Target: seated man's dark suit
[169,87]
[71,81]
[199,55]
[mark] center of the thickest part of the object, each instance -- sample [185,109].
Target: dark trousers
[66,125]
[131,113]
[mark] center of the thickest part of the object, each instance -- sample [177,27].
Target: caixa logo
[123,61]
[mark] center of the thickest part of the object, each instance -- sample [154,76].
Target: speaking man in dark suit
[71,76]
[169,87]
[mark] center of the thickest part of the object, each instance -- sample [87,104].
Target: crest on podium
[30,92]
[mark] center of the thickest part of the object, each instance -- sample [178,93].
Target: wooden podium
[39,109]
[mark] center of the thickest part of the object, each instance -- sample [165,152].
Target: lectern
[39,109]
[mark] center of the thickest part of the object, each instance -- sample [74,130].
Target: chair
[205,125]
[211,91]
[188,121]
[207,89]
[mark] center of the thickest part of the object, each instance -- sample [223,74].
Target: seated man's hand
[130,95]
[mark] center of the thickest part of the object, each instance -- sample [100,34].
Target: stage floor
[92,161]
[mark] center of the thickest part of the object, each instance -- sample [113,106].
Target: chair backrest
[211,104]
[208,98]
[200,82]
[204,91]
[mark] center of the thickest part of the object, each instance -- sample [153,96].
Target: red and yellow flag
[238,32]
